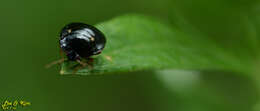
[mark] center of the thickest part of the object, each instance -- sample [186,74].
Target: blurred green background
[29,40]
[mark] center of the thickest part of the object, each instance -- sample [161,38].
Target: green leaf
[136,42]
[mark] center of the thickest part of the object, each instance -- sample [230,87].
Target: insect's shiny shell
[79,40]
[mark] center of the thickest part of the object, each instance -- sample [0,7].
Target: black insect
[80,41]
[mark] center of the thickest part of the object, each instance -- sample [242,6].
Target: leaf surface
[137,42]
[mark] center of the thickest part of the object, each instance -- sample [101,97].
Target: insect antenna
[57,61]
[54,63]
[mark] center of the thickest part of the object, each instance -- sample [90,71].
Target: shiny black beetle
[80,41]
